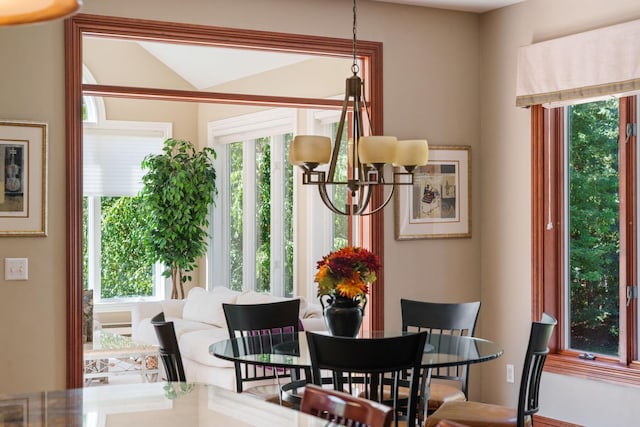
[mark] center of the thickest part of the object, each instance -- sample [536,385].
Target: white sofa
[199,322]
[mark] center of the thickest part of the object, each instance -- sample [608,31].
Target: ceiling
[478,6]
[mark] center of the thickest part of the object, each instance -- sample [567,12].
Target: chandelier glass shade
[366,154]
[13,12]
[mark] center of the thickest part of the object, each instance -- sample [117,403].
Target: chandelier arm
[322,189]
[382,206]
[357,133]
[336,145]
[366,108]
[364,196]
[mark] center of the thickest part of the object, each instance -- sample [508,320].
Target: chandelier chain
[355,68]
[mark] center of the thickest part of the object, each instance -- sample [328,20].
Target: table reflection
[146,404]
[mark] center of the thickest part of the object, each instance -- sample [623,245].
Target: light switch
[16,268]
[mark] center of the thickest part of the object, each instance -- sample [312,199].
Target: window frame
[96,123]
[313,217]
[247,129]
[548,251]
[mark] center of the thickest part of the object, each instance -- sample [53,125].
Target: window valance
[582,66]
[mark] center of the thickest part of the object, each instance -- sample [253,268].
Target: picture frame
[23,178]
[22,410]
[438,204]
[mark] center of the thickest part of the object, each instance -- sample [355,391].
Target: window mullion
[249,215]
[94,251]
[277,214]
[219,228]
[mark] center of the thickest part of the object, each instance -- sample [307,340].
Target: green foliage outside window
[594,224]
[126,266]
[263,151]
[126,269]
[263,220]
[340,222]
[288,221]
[236,209]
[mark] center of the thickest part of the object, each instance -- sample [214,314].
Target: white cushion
[147,333]
[253,297]
[195,346]
[206,307]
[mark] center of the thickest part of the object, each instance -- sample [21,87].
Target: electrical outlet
[510,374]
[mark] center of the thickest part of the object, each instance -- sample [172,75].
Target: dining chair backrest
[168,350]
[480,414]
[344,409]
[535,356]
[257,328]
[371,367]
[442,318]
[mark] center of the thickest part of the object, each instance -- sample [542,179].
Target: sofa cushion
[206,306]
[147,334]
[195,346]
[253,297]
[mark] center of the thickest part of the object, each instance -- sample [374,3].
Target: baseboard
[539,421]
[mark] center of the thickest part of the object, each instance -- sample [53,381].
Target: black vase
[343,316]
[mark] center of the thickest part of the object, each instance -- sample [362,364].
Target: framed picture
[22,410]
[438,204]
[23,178]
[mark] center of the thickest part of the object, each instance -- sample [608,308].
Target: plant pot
[343,316]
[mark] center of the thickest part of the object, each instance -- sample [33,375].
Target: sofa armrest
[312,311]
[314,324]
[173,307]
[143,310]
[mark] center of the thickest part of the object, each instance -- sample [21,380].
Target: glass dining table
[291,353]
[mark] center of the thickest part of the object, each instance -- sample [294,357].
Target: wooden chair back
[344,409]
[479,414]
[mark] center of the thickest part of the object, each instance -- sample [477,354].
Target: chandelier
[14,12]
[366,155]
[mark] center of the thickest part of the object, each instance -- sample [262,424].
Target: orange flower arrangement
[347,272]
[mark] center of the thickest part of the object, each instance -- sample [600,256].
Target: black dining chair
[443,318]
[344,409]
[257,328]
[478,414]
[168,350]
[371,368]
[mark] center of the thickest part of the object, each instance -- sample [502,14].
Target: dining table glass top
[291,351]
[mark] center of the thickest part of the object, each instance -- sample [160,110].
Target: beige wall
[448,76]
[505,209]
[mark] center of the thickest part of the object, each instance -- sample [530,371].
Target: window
[113,260]
[257,229]
[585,258]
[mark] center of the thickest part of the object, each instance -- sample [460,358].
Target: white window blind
[112,160]
[580,67]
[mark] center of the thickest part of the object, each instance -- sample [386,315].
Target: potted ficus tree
[178,187]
